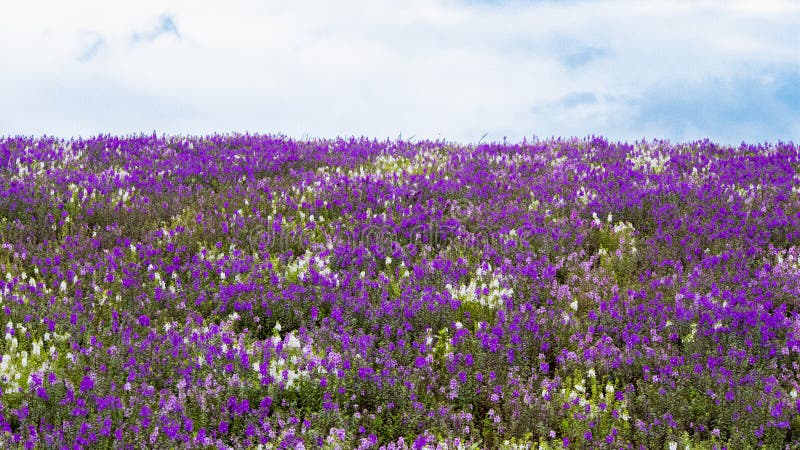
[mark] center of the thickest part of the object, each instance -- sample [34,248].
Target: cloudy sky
[459,70]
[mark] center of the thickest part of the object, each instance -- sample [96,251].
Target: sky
[464,71]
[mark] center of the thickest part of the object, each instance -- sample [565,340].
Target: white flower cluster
[584,195]
[510,158]
[123,195]
[17,366]
[474,292]
[20,288]
[645,157]
[387,166]
[390,165]
[578,391]
[301,266]
[557,162]
[288,366]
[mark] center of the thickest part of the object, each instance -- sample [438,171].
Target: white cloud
[436,69]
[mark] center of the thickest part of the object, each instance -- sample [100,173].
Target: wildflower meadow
[256,292]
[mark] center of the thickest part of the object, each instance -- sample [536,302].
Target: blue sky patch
[758,104]
[165,26]
[581,56]
[92,49]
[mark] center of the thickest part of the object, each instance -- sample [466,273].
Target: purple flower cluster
[243,291]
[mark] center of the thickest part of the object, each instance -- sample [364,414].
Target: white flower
[388,260]
[292,342]
[673,446]
[63,286]
[793,393]
[574,305]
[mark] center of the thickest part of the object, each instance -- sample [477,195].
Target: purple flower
[87,384]
[777,410]
[468,360]
[420,442]
[41,392]
[22,413]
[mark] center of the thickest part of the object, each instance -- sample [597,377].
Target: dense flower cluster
[261,292]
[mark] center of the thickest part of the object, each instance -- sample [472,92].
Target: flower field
[243,291]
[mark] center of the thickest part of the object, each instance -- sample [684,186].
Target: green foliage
[472,312]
